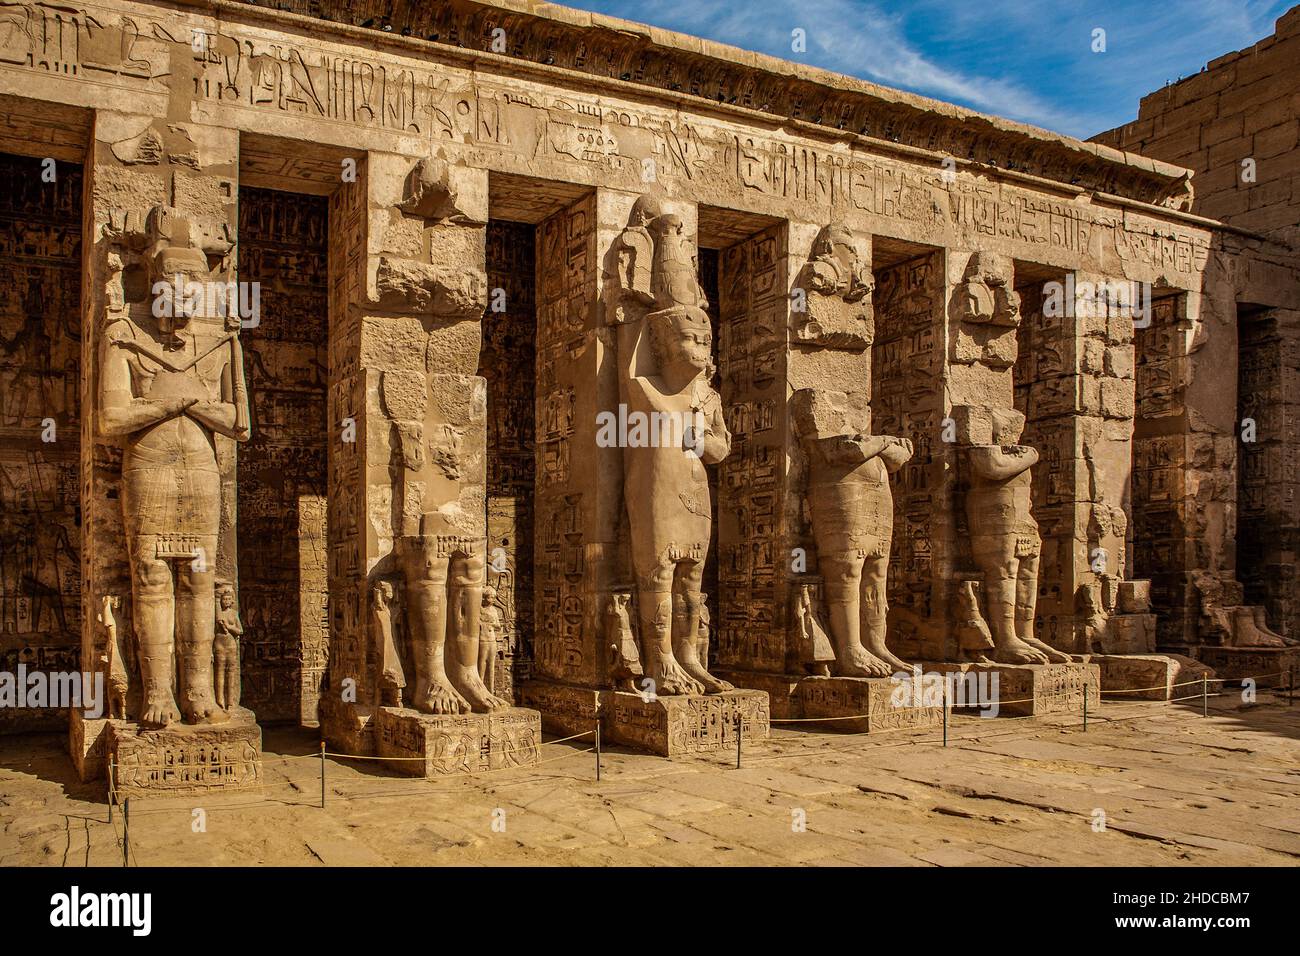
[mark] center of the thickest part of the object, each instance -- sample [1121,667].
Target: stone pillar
[145,177]
[758,515]
[910,400]
[1074,382]
[407,293]
[578,503]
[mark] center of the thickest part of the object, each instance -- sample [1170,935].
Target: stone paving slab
[1177,788]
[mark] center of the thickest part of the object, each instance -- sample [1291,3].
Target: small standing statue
[625,659]
[489,636]
[225,648]
[392,679]
[114,660]
[1005,542]
[815,648]
[169,392]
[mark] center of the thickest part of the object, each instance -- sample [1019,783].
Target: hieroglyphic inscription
[752,563]
[40,378]
[907,401]
[566,287]
[282,472]
[508,362]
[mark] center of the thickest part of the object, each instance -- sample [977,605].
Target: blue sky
[1028,60]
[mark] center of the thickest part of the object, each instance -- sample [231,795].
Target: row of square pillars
[579,505]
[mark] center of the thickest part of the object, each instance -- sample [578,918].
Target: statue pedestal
[676,726]
[1169,676]
[886,705]
[87,744]
[1270,666]
[185,759]
[432,746]
[1023,690]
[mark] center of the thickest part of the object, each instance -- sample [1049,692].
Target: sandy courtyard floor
[1170,787]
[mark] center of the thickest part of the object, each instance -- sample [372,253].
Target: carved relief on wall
[40,379]
[508,362]
[283,587]
[832,304]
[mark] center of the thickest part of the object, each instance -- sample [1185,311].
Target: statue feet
[1053,655]
[472,688]
[440,698]
[878,650]
[711,684]
[1016,651]
[857,661]
[670,678]
[203,709]
[160,709]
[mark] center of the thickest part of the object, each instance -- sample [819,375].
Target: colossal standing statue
[169,391]
[665,364]
[853,522]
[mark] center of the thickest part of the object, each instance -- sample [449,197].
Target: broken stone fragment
[403,285]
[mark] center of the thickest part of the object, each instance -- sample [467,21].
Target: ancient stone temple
[444,373]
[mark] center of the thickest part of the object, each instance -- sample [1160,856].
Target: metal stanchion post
[322,775]
[1205,695]
[740,730]
[1290,690]
[945,706]
[1085,705]
[111,786]
[126,832]
[598,749]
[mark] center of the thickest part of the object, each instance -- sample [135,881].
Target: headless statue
[168,393]
[1005,542]
[853,523]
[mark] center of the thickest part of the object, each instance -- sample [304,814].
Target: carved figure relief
[169,391]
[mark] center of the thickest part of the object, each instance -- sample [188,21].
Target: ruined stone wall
[1240,108]
[40,418]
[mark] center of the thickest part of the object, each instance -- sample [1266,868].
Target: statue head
[681,337]
[226,595]
[835,266]
[647,208]
[489,595]
[382,593]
